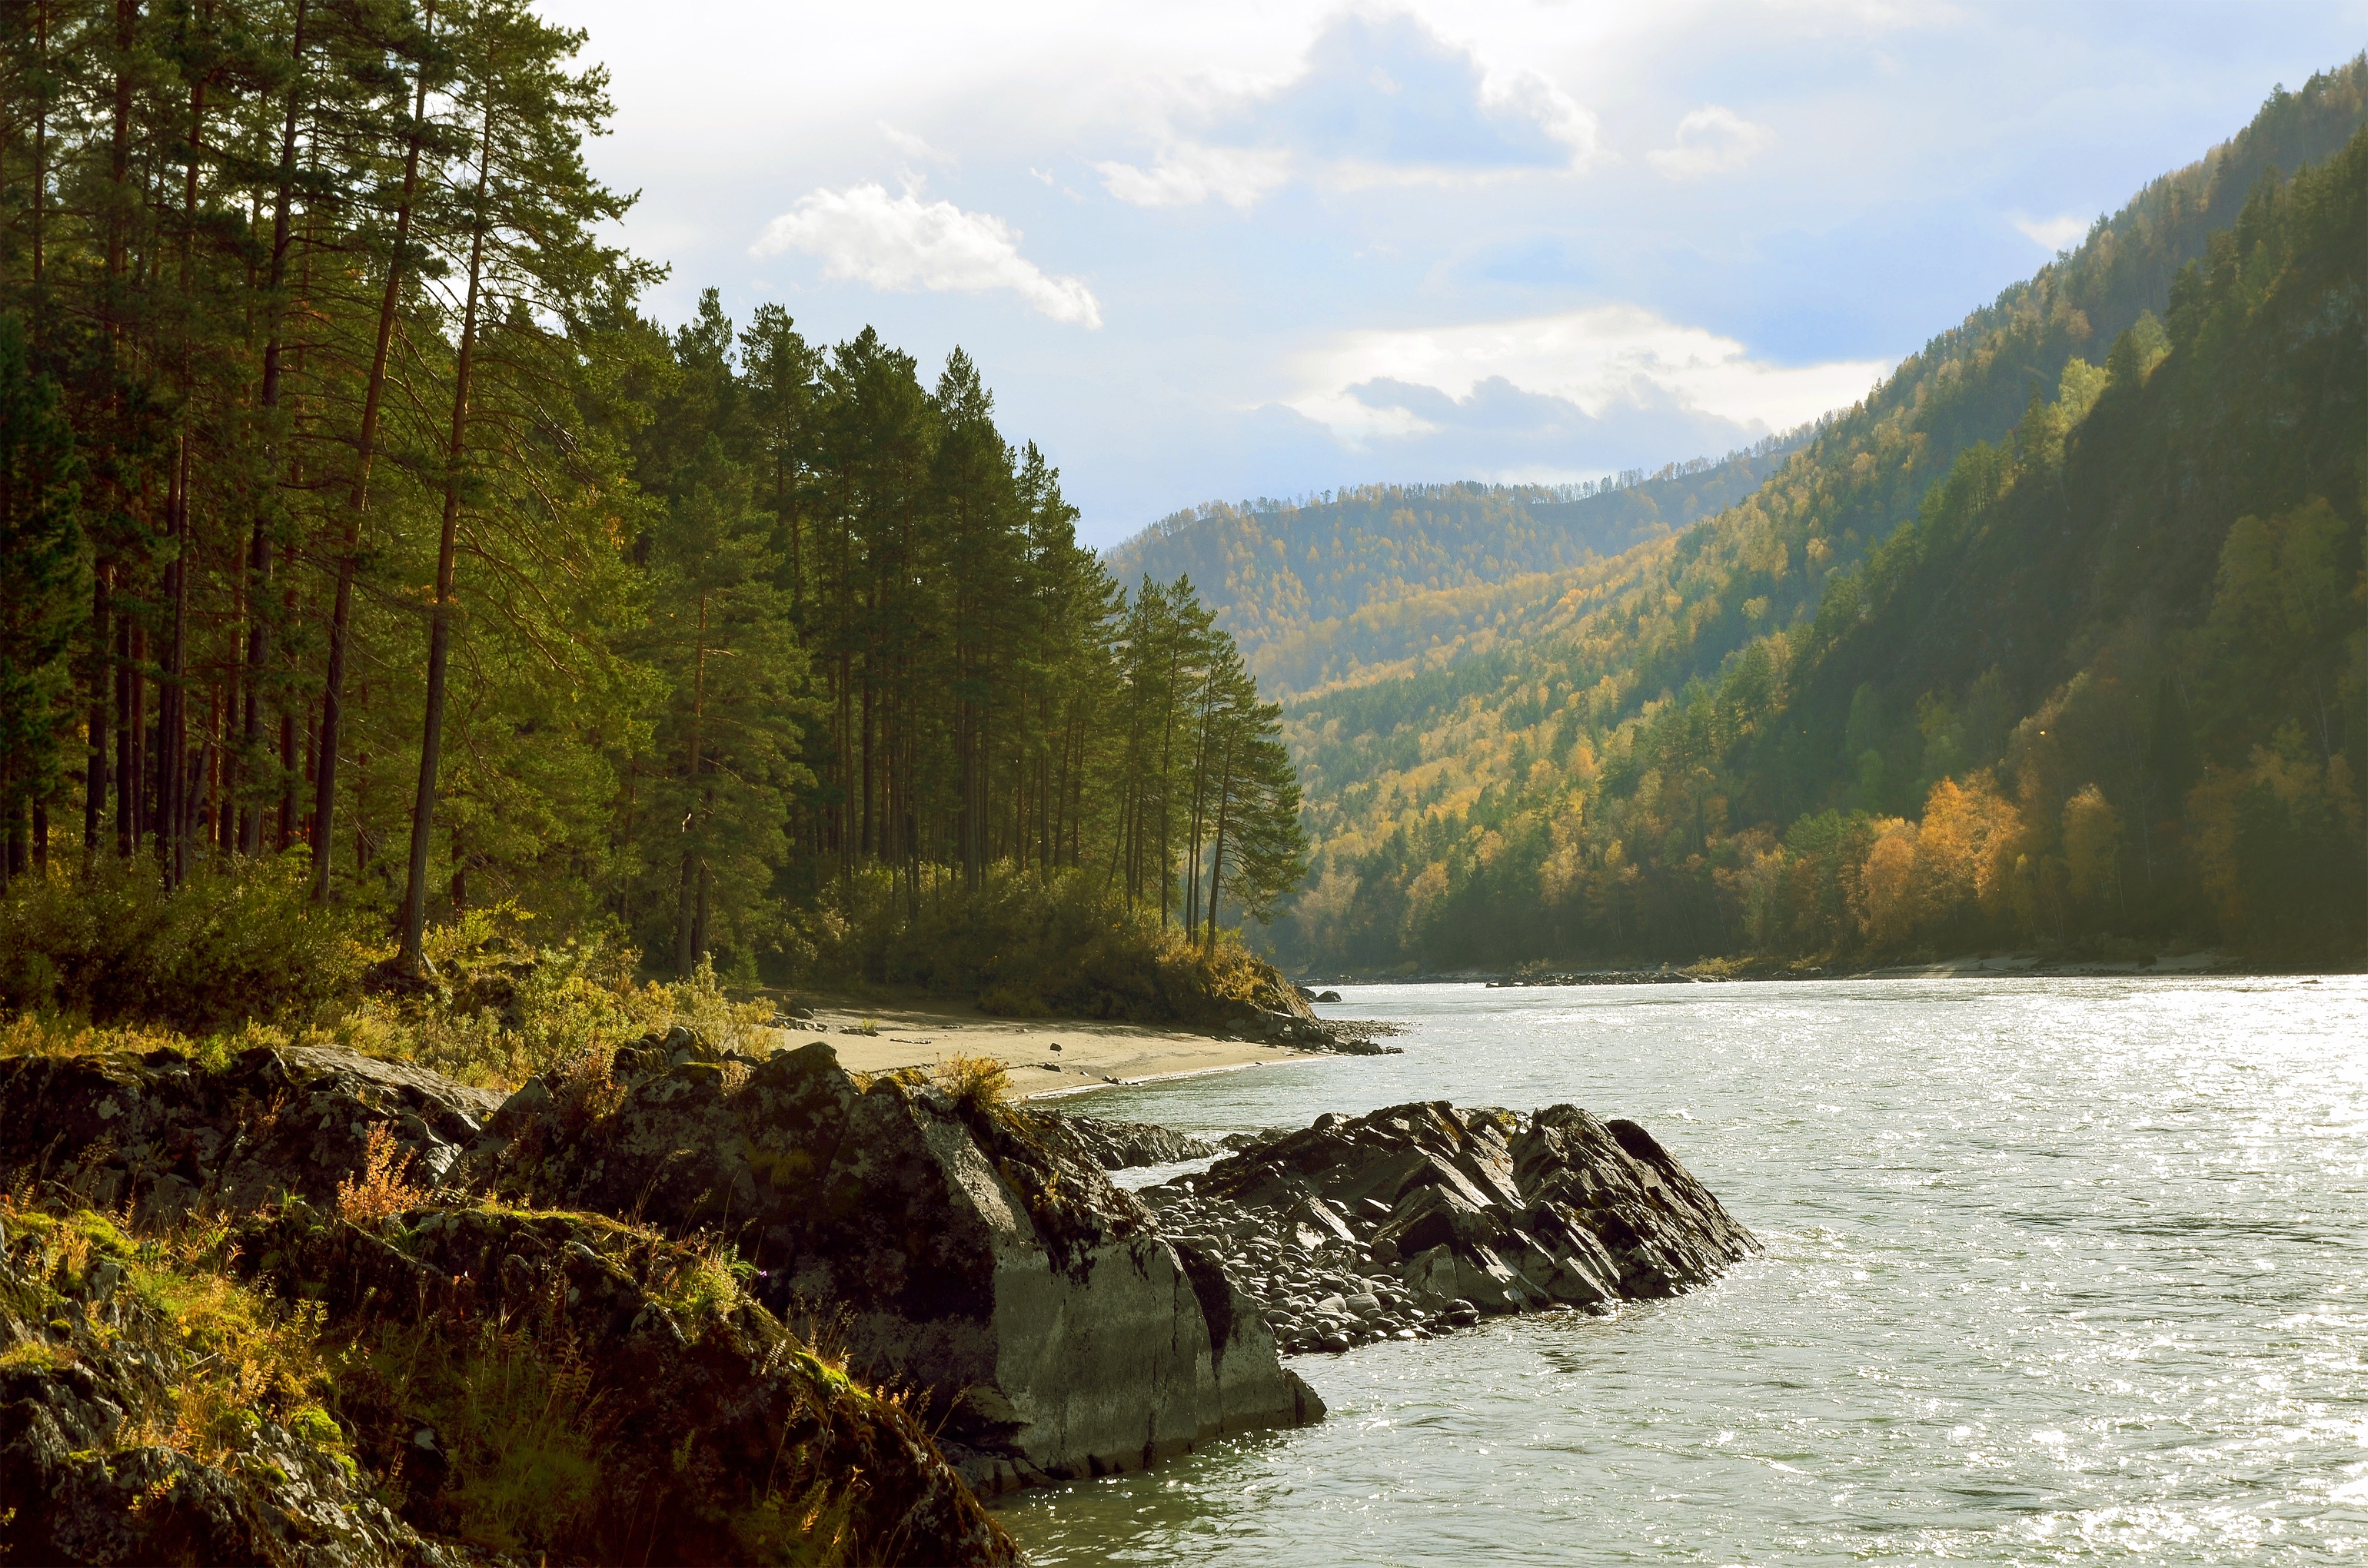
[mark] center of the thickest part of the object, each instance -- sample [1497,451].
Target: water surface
[2058,1271]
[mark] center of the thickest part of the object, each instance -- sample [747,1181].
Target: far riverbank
[1990,966]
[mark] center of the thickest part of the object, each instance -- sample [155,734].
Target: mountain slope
[1420,784]
[1292,580]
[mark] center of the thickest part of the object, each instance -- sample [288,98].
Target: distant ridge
[1280,573]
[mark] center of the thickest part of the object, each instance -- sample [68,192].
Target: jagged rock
[1465,1212]
[1120,1145]
[1039,1310]
[1063,1334]
[164,1129]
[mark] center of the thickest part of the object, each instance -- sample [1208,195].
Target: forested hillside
[1629,761]
[352,512]
[1308,587]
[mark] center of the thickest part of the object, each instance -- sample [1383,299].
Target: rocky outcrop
[1346,1036]
[712,1433]
[1119,1145]
[971,1255]
[1421,1217]
[714,1421]
[1059,1332]
[164,1129]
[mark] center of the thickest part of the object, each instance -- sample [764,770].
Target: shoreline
[1047,1058]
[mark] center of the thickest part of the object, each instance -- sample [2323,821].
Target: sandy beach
[1047,1056]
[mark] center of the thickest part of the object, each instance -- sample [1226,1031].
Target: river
[2058,1270]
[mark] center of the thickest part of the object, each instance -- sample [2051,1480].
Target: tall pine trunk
[172,696]
[341,609]
[258,553]
[690,896]
[440,622]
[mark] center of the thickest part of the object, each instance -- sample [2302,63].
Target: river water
[2062,1270]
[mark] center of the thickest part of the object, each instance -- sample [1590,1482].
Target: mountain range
[2054,638]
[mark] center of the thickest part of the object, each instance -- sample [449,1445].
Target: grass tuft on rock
[379,1191]
[975,1084]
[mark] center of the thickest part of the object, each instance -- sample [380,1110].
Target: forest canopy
[354,512]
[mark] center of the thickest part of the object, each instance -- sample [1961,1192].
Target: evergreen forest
[361,530]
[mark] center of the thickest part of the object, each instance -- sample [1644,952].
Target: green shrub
[1028,944]
[504,1010]
[238,941]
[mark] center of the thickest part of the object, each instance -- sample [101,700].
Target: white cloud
[1594,360]
[1712,140]
[917,148]
[1188,173]
[2051,234]
[1380,98]
[902,243]
[1864,17]
[1525,94]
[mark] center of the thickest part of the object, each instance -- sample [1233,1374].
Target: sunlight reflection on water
[2058,1270]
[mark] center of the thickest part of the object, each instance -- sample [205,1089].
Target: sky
[1224,250]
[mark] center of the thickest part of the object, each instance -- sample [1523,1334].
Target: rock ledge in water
[1420,1218]
[1120,1145]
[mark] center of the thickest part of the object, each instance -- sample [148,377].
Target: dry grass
[576,1002]
[233,1357]
[975,1082]
[535,1464]
[380,1191]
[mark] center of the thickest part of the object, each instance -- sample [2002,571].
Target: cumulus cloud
[1388,94]
[2051,234]
[1188,173]
[1712,140]
[902,243]
[1380,99]
[1379,386]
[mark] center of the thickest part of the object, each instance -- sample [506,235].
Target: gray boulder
[1467,1211]
[1119,1145]
[163,1130]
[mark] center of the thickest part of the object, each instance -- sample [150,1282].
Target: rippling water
[2058,1270]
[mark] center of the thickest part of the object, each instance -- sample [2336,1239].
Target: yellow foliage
[2092,845]
[1885,902]
[380,1190]
[1964,850]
